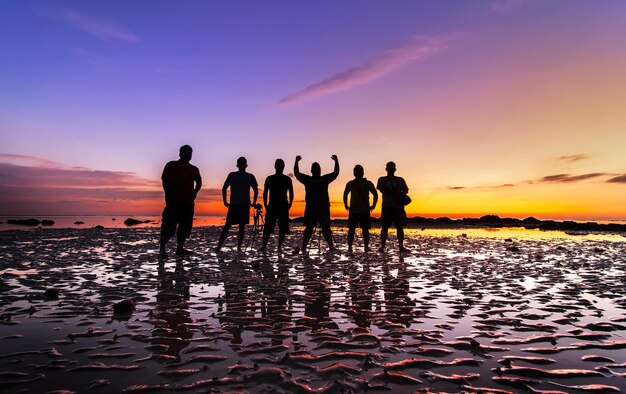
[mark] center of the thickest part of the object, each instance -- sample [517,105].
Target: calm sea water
[61,222]
[105,221]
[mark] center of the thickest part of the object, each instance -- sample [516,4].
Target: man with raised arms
[317,201]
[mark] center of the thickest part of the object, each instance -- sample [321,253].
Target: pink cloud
[30,185]
[419,49]
[29,161]
[16,175]
[102,29]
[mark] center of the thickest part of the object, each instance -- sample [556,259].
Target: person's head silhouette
[316,170]
[279,166]
[390,168]
[185,153]
[242,163]
[358,171]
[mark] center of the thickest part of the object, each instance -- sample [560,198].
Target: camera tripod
[258,225]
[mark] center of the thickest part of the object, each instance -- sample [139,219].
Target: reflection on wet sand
[474,311]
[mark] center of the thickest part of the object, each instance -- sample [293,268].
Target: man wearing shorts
[317,201]
[181,184]
[279,189]
[240,182]
[393,189]
[359,209]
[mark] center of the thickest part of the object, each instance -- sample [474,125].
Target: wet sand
[95,310]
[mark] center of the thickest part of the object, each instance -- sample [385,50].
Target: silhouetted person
[240,182]
[393,189]
[317,208]
[359,209]
[278,190]
[181,183]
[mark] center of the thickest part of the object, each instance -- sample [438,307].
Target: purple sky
[95,97]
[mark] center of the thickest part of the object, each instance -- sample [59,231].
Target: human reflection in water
[362,291]
[171,315]
[317,295]
[398,304]
[233,306]
[317,208]
[273,292]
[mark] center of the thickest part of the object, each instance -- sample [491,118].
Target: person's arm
[375,194]
[296,169]
[255,189]
[404,188]
[380,185]
[336,169]
[224,188]
[346,191]
[166,181]
[290,191]
[198,181]
[266,193]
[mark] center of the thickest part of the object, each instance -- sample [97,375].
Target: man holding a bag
[395,197]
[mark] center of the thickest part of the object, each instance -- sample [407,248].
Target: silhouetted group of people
[182,182]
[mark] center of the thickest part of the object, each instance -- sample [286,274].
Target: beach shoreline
[100,306]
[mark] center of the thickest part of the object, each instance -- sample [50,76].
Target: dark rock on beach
[132,222]
[528,223]
[124,307]
[51,293]
[47,222]
[25,222]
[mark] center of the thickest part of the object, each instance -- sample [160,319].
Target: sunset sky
[507,107]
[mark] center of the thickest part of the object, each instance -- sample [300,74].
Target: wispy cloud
[505,6]
[567,178]
[12,175]
[104,30]
[420,48]
[556,179]
[26,160]
[618,179]
[573,158]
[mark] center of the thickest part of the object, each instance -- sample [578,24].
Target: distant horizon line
[437,216]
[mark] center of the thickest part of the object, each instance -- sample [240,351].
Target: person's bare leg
[328,236]
[383,237]
[223,236]
[401,239]
[350,238]
[162,243]
[366,239]
[180,246]
[240,235]
[306,237]
[281,239]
